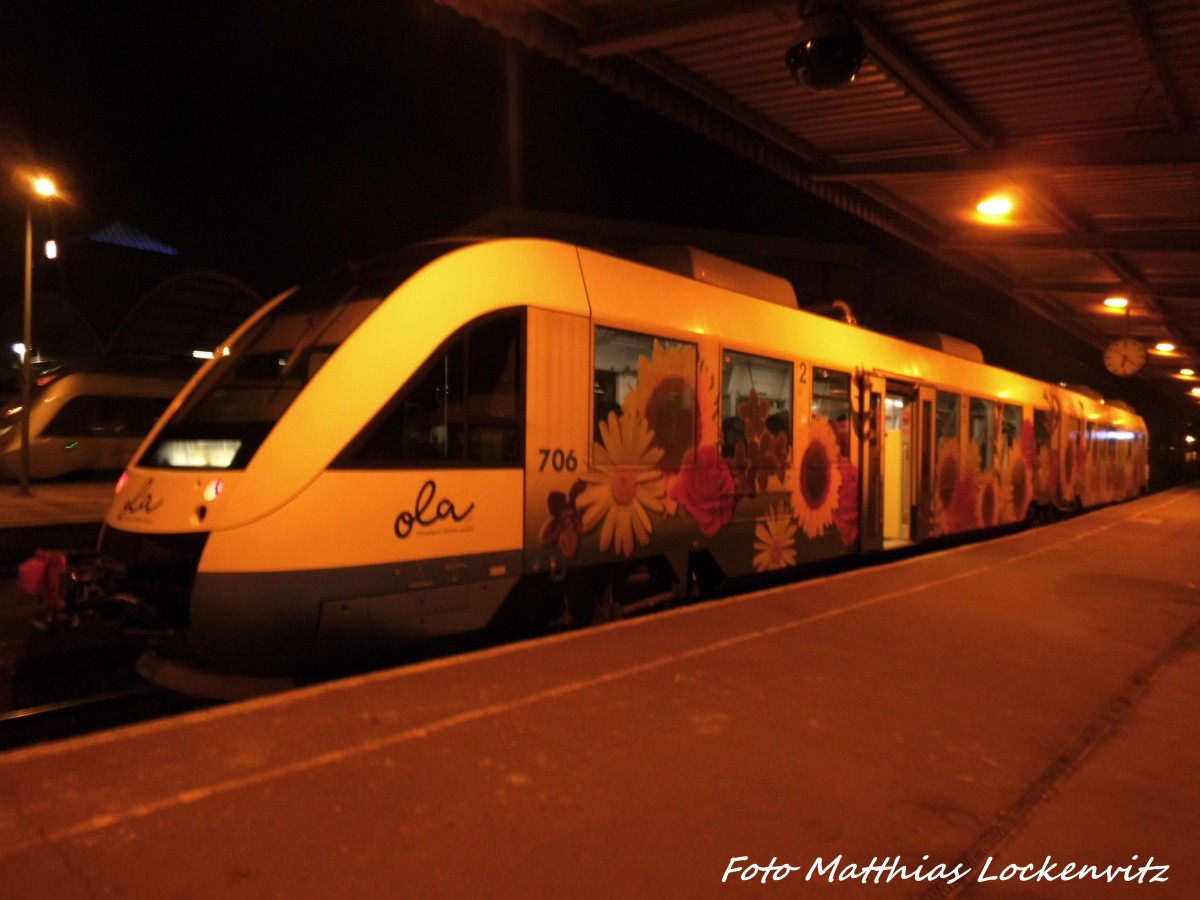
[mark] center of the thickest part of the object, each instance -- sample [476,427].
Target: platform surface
[55,502]
[1030,697]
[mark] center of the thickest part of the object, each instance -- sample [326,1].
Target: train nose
[159,570]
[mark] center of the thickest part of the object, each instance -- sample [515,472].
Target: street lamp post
[43,187]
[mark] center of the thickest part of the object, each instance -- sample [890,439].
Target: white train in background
[84,418]
[531,433]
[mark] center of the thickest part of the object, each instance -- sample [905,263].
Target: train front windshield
[226,417]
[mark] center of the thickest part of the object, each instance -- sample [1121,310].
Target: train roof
[123,368]
[684,289]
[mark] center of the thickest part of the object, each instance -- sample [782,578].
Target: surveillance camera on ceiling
[828,50]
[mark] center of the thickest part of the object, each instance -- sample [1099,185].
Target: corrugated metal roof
[1085,109]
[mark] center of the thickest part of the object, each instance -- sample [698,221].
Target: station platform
[55,502]
[55,513]
[982,722]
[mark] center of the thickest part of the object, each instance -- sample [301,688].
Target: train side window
[463,406]
[768,382]
[831,400]
[653,378]
[1041,428]
[1011,417]
[983,429]
[947,417]
[109,416]
[82,415]
[948,407]
[494,390]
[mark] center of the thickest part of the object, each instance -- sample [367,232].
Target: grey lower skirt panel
[286,621]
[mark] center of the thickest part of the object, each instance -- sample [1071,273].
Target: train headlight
[213,490]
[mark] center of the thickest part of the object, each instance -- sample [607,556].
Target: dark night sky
[273,139]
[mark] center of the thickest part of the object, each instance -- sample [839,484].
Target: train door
[899,463]
[873,471]
[924,433]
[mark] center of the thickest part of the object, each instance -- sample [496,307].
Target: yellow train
[528,432]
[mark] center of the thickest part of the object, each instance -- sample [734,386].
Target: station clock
[1125,356]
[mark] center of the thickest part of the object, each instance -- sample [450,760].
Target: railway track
[71,718]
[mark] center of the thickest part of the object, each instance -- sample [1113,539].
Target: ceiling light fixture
[996,205]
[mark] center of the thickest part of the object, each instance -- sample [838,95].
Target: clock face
[1125,356]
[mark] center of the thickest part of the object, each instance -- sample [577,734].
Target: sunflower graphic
[1069,458]
[665,398]
[625,484]
[1041,472]
[775,539]
[1017,483]
[817,488]
[945,481]
[990,500]
[963,512]
[972,463]
[948,470]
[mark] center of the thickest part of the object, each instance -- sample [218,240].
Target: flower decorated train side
[529,434]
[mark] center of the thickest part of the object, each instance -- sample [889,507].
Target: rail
[72,718]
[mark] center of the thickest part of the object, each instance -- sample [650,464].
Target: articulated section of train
[533,434]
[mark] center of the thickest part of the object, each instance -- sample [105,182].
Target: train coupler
[74,588]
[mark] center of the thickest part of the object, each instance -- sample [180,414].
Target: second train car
[534,432]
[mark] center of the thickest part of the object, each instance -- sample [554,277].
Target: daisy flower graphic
[625,484]
[775,539]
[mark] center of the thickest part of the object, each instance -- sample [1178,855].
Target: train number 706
[559,460]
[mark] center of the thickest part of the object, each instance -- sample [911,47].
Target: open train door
[901,415]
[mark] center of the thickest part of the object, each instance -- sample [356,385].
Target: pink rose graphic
[705,489]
